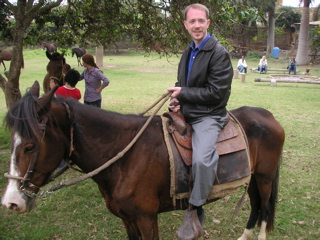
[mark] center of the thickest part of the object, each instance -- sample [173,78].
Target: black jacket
[210,81]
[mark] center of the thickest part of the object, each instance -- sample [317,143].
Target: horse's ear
[62,54]
[48,55]
[35,89]
[44,101]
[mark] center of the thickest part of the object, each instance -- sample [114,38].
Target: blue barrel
[275,52]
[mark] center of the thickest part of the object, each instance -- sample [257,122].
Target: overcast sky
[295,3]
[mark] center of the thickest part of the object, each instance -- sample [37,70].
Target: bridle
[25,181]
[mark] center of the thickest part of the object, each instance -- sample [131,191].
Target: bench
[272,70]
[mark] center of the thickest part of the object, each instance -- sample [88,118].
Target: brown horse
[50,47]
[79,52]
[136,188]
[55,68]
[6,55]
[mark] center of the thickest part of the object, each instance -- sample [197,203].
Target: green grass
[78,212]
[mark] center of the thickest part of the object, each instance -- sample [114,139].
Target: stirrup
[191,227]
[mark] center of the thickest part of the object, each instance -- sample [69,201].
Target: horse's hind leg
[255,208]
[4,66]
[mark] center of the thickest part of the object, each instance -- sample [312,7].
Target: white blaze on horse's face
[13,198]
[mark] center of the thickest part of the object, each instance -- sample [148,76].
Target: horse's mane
[23,118]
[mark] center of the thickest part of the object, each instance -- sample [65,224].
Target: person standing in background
[95,81]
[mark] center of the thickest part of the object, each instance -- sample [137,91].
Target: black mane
[23,118]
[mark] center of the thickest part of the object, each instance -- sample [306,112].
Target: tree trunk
[270,40]
[11,87]
[99,56]
[302,53]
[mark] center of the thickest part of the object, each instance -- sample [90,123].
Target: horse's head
[39,144]
[44,45]
[54,68]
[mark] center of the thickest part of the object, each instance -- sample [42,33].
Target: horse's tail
[273,199]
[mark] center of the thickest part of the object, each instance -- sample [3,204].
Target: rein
[164,98]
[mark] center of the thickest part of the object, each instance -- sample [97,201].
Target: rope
[165,97]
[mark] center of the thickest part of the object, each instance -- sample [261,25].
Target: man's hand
[174,105]
[175,91]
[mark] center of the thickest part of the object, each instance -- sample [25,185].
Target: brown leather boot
[191,227]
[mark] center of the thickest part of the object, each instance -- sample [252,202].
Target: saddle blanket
[233,170]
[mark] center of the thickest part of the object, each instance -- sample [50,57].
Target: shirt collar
[192,45]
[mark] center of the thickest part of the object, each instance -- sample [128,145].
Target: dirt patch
[109,66]
[142,69]
[151,70]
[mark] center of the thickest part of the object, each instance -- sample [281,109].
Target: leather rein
[25,181]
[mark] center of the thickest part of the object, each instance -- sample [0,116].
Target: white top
[242,63]
[263,62]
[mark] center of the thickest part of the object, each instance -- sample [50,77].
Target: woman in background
[95,81]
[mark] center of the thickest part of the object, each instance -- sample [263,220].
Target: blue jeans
[263,68]
[242,68]
[292,68]
[95,103]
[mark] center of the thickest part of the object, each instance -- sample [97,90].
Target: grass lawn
[78,212]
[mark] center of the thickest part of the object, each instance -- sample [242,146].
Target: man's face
[197,25]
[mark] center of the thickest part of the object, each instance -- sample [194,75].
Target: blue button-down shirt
[194,52]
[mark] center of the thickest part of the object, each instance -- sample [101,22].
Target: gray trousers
[204,157]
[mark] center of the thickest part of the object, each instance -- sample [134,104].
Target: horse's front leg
[132,230]
[148,226]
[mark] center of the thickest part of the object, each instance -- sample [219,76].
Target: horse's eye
[29,149]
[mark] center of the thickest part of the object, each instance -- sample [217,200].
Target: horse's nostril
[13,206]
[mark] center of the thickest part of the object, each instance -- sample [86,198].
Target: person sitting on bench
[263,65]
[242,65]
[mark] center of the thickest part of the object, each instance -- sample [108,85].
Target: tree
[286,16]
[24,13]
[156,26]
[315,41]
[268,7]
[302,53]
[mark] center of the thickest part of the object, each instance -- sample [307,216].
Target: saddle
[182,135]
[234,164]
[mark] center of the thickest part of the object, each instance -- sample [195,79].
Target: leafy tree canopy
[154,25]
[286,16]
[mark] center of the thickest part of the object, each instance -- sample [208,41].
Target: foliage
[286,16]
[254,55]
[5,23]
[315,41]
[155,26]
